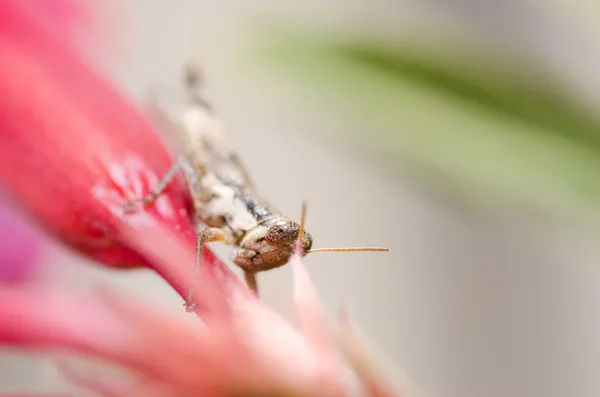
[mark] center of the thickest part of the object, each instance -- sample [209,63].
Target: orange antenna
[302,223]
[350,249]
[341,249]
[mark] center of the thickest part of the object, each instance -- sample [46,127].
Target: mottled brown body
[226,204]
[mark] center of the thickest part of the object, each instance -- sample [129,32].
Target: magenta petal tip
[19,247]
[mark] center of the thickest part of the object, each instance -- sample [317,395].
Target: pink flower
[72,148]
[73,151]
[241,347]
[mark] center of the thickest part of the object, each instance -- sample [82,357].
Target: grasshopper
[227,207]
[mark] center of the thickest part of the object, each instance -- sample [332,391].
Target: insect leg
[208,235]
[251,281]
[160,188]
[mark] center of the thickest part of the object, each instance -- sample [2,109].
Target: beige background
[469,304]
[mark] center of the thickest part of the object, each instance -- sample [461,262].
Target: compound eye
[282,232]
[307,242]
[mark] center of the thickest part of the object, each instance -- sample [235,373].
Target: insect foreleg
[208,235]
[251,281]
[160,188]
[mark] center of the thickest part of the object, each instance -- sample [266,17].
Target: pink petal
[69,18]
[76,143]
[356,353]
[217,291]
[208,361]
[34,395]
[313,322]
[20,246]
[223,300]
[146,387]
[220,296]
[162,347]
[307,304]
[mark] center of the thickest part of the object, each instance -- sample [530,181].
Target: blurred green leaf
[486,123]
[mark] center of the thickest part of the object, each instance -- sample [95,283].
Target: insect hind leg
[251,282]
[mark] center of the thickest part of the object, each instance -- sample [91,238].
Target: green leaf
[491,125]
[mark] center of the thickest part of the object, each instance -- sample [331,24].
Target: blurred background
[463,134]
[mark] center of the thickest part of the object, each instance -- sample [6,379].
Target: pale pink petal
[308,305]
[356,353]
[75,141]
[20,247]
[216,289]
[105,388]
[211,360]
[162,347]
[34,395]
[220,296]
[312,321]
[69,18]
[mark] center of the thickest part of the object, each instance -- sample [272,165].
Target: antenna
[350,249]
[193,84]
[302,222]
[301,231]
[341,249]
